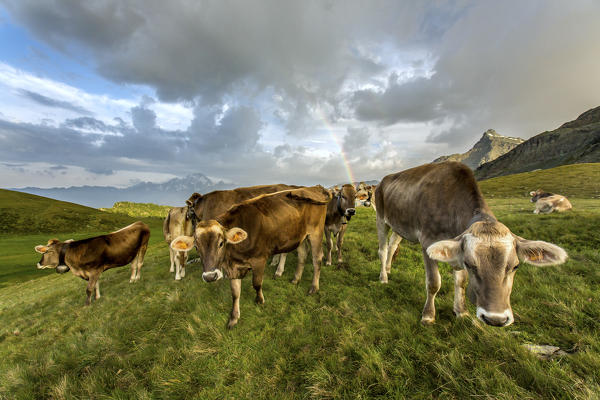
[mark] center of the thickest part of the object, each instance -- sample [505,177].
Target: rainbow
[329,127]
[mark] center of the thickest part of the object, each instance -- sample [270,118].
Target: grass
[138,209]
[356,338]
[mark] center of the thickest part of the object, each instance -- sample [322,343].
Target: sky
[117,92]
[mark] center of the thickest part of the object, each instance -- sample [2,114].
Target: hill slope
[491,146]
[574,142]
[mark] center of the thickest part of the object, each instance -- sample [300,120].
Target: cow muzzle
[212,276]
[495,319]
[367,203]
[61,269]
[40,266]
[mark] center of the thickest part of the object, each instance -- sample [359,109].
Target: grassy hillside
[28,220]
[356,338]
[28,213]
[577,180]
[138,209]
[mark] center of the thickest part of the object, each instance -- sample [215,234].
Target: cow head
[364,195]
[211,240]
[51,256]
[536,195]
[490,253]
[192,206]
[345,199]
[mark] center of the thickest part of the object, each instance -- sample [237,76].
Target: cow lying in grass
[88,258]
[441,207]
[546,202]
[241,239]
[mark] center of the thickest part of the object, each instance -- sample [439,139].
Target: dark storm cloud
[49,102]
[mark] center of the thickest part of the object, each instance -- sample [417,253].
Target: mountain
[574,142]
[173,192]
[491,146]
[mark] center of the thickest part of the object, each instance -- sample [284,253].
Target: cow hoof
[294,281]
[131,280]
[312,290]
[427,321]
[172,270]
[177,278]
[383,280]
[461,314]
[328,263]
[232,323]
[276,275]
[259,300]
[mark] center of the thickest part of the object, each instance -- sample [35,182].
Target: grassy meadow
[356,338]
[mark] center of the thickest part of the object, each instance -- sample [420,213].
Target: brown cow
[179,221]
[339,211]
[249,232]
[215,203]
[546,202]
[441,206]
[88,258]
[365,195]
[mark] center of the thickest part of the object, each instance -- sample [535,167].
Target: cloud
[49,102]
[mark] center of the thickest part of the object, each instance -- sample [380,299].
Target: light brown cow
[179,221]
[546,202]
[441,207]
[88,258]
[215,203]
[244,237]
[365,195]
[339,211]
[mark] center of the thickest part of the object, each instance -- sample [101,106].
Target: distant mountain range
[491,146]
[173,192]
[574,142]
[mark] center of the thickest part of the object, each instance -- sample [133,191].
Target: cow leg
[172,257]
[281,266]
[302,251]
[382,232]
[340,241]
[91,287]
[433,283]
[236,290]
[183,260]
[329,245]
[258,272]
[98,289]
[133,270]
[178,266]
[316,248]
[460,282]
[393,243]
[139,262]
[275,260]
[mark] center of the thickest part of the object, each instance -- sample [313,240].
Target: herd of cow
[236,231]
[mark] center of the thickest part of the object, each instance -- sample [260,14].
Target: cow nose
[495,321]
[350,211]
[212,276]
[367,204]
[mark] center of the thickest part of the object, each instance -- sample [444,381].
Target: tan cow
[244,237]
[179,221]
[217,202]
[546,202]
[365,195]
[441,207]
[88,258]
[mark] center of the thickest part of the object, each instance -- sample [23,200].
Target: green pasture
[355,339]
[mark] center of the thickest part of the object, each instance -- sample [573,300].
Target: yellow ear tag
[181,245]
[237,237]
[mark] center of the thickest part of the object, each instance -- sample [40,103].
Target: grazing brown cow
[216,203]
[88,258]
[441,207]
[244,237]
[546,202]
[179,221]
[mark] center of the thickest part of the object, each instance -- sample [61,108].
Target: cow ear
[41,249]
[182,243]
[445,251]
[532,194]
[52,241]
[539,253]
[236,235]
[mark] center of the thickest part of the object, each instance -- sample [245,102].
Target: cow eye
[516,266]
[221,243]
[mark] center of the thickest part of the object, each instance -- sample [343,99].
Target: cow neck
[62,254]
[340,210]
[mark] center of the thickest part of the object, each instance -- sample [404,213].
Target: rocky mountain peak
[591,116]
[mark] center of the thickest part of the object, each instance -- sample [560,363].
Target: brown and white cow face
[490,253]
[211,240]
[50,256]
[345,199]
[538,194]
[364,195]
